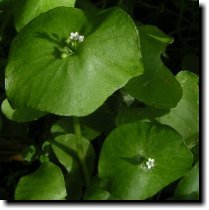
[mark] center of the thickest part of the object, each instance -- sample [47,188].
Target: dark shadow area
[51,38]
[135,160]
[54,39]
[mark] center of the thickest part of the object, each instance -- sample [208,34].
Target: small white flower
[74,36]
[150,163]
[80,38]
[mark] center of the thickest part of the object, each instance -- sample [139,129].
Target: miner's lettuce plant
[73,63]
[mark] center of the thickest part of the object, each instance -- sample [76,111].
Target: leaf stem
[80,150]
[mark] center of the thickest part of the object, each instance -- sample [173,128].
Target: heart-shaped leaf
[157,86]
[20,115]
[46,183]
[26,10]
[41,76]
[188,187]
[140,159]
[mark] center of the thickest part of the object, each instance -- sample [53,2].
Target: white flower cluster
[74,36]
[150,163]
[71,44]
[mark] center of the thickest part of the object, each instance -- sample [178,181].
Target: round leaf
[125,153]
[185,116]
[47,183]
[20,115]
[37,77]
[26,10]
[157,86]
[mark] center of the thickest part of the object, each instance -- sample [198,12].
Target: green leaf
[29,153]
[46,183]
[97,191]
[185,116]
[100,120]
[37,77]
[195,150]
[91,125]
[188,187]
[132,115]
[65,125]
[26,10]
[157,86]
[125,152]
[192,141]
[65,149]
[20,115]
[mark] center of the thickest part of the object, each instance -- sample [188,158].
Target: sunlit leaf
[38,78]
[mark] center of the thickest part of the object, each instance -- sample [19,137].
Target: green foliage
[185,116]
[98,191]
[188,187]
[26,10]
[65,125]
[157,86]
[89,75]
[126,151]
[91,126]
[94,102]
[46,183]
[65,148]
[20,115]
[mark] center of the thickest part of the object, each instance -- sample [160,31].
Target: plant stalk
[80,150]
